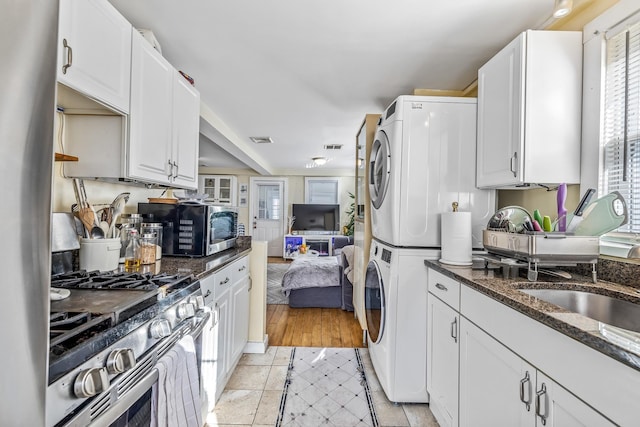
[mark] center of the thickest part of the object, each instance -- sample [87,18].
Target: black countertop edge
[506,291]
[202,267]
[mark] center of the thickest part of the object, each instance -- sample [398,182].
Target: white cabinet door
[529,111]
[500,108]
[186,131]
[494,382]
[442,362]
[94,51]
[209,361]
[223,306]
[220,189]
[556,407]
[150,132]
[240,322]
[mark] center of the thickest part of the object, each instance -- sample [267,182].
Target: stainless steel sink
[609,310]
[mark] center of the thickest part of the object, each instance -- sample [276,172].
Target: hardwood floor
[312,327]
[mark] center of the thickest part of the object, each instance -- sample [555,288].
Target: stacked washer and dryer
[422,159]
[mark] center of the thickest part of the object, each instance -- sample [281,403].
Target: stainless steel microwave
[194,230]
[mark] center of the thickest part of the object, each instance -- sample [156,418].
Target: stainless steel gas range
[106,337]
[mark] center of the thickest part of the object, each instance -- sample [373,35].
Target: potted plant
[347,230]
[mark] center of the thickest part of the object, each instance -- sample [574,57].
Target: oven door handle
[126,401]
[200,327]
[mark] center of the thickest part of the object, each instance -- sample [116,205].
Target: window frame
[308,182]
[595,35]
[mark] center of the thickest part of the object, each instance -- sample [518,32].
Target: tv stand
[323,243]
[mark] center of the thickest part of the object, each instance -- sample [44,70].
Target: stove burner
[108,280]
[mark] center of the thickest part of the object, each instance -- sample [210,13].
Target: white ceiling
[306,72]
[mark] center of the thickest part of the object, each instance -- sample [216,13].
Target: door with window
[268,212]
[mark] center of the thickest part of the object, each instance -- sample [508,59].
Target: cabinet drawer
[240,269]
[208,288]
[445,288]
[223,279]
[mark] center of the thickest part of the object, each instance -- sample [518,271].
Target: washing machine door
[374,303]
[379,170]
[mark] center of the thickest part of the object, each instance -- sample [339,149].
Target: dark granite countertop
[506,290]
[202,267]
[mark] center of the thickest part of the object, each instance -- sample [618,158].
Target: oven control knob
[91,382]
[197,301]
[186,310]
[160,328]
[120,360]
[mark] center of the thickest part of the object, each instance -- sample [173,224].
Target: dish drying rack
[540,249]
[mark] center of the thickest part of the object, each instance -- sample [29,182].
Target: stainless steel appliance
[106,338]
[193,229]
[26,132]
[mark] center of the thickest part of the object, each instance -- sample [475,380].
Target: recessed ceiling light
[562,8]
[261,139]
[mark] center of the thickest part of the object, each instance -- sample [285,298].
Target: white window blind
[321,190]
[621,130]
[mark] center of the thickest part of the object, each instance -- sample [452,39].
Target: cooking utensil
[576,218]
[561,198]
[546,223]
[117,207]
[603,215]
[537,217]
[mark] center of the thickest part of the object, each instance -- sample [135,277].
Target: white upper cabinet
[150,131]
[94,51]
[220,189]
[529,111]
[186,132]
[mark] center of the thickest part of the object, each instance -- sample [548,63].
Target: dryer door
[379,168]
[374,303]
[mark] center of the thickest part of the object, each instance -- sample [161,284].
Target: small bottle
[132,252]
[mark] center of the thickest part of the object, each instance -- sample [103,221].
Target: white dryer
[423,158]
[396,311]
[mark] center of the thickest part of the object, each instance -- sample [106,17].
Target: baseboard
[257,346]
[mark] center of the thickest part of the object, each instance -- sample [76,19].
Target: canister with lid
[148,245]
[156,229]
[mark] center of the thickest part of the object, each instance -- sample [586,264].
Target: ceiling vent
[261,139]
[333,147]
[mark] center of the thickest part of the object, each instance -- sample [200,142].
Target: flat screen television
[312,217]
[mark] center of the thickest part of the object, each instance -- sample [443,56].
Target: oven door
[129,401]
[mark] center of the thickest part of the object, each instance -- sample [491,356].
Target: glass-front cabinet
[220,189]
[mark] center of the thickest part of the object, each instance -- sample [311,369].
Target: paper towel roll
[456,238]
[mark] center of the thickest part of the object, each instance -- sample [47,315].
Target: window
[323,191]
[269,202]
[620,140]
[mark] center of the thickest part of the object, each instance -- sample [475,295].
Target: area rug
[326,386]
[275,295]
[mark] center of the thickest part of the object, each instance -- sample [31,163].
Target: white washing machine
[396,311]
[423,158]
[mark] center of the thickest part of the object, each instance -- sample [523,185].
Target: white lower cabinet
[442,362]
[226,293]
[499,388]
[443,348]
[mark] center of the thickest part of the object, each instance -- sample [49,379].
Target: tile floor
[252,396]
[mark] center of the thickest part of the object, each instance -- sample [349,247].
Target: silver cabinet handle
[250,285]
[441,287]
[539,394]
[514,164]
[244,267]
[175,165]
[170,174]
[454,330]
[525,383]
[224,282]
[208,293]
[69,56]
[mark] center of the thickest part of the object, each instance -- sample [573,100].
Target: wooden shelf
[65,158]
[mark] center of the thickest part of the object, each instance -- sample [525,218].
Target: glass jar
[154,228]
[132,252]
[124,239]
[134,218]
[148,245]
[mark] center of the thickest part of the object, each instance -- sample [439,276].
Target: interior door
[269,211]
[379,169]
